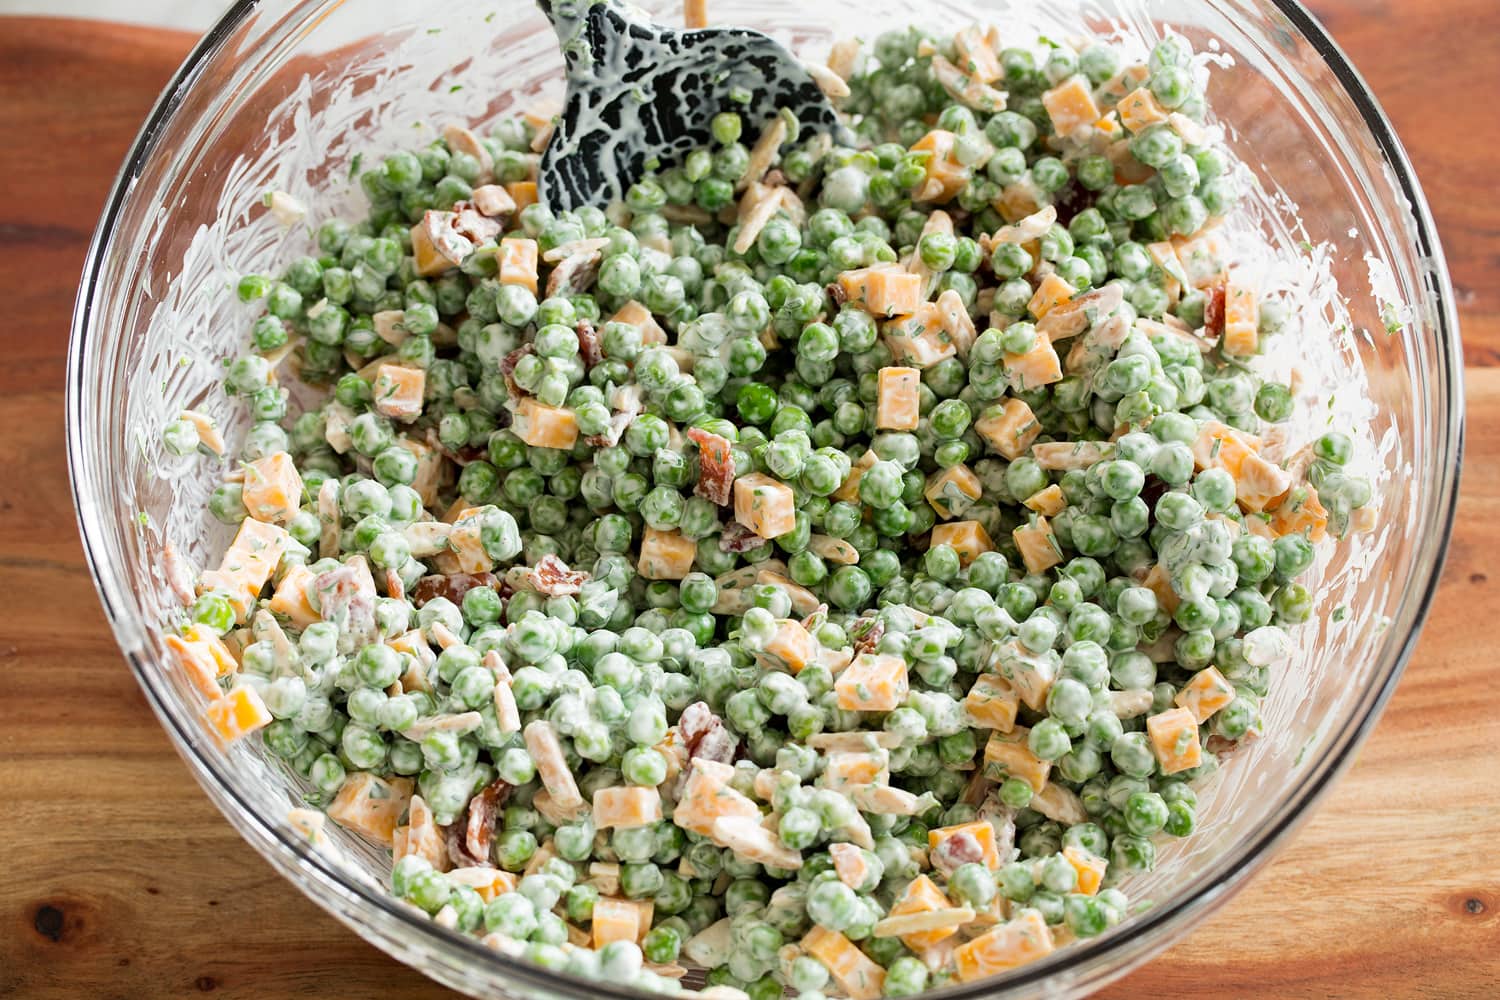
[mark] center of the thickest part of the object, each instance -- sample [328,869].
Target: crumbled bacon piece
[738,538]
[715,466]
[865,634]
[627,405]
[1219,746]
[346,597]
[575,274]
[508,370]
[957,850]
[469,838]
[452,586]
[703,734]
[588,343]
[1213,311]
[836,294]
[473,224]
[552,577]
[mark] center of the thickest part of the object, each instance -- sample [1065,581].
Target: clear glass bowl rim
[1095,960]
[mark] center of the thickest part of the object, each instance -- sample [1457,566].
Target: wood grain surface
[121,880]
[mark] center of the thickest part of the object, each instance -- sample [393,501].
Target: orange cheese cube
[523,193]
[1037,544]
[398,391]
[849,489]
[488,882]
[615,920]
[992,703]
[197,665]
[1139,109]
[872,683]
[953,490]
[920,338]
[845,768]
[543,426]
[1089,867]
[1160,583]
[850,864]
[1301,513]
[707,798]
[967,538]
[1031,674]
[882,289]
[763,505]
[856,973]
[1048,502]
[1009,428]
[214,648]
[792,646]
[1257,482]
[420,836]
[236,715]
[290,600]
[427,260]
[1070,105]
[898,399]
[247,564]
[370,805]
[1052,292]
[1205,694]
[467,542]
[1006,755]
[273,489]
[923,896]
[946,177]
[640,317]
[517,257]
[1174,737]
[980,830]
[976,58]
[1202,259]
[666,555]
[1037,367]
[1024,939]
[1241,319]
[622,808]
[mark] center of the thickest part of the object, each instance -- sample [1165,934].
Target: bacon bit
[469,839]
[836,294]
[627,405]
[552,577]
[575,274]
[866,633]
[508,370]
[738,538]
[442,231]
[474,224]
[589,345]
[1213,310]
[959,849]
[703,734]
[1220,746]
[715,466]
[452,586]
[345,600]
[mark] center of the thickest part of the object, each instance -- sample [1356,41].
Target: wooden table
[121,880]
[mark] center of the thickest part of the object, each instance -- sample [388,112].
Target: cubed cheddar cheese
[919,338]
[849,488]
[273,489]
[247,564]
[615,920]
[236,715]
[898,399]
[1049,502]
[1037,367]
[1205,694]
[707,798]
[291,601]
[638,316]
[1202,259]
[420,836]
[1301,513]
[1257,482]
[198,664]
[791,647]
[1071,105]
[1006,755]
[622,808]
[1174,737]
[1023,939]
[882,289]
[1090,868]
[370,805]
[398,391]
[426,259]
[430,469]
[1031,674]
[488,882]
[982,832]
[874,682]
[466,540]
[1050,293]
[543,426]
[1139,109]
[517,258]
[763,505]
[1159,582]
[1241,319]
[523,193]
[967,538]
[845,768]
[855,972]
[1009,428]
[976,56]
[850,865]
[946,177]
[952,491]
[666,555]
[1037,544]
[923,896]
[992,703]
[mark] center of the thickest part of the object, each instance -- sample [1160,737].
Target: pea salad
[831,569]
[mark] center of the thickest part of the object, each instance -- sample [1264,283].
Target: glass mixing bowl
[285,94]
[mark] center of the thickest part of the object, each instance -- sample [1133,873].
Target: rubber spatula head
[642,94]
